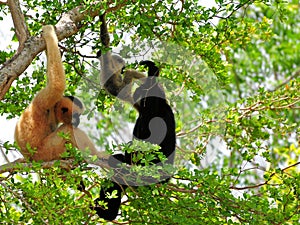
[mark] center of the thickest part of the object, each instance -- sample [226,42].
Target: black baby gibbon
[50,113]
[155,124]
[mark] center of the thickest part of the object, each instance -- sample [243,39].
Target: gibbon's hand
[152,68]
[99,53]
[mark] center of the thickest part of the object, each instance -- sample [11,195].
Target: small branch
[19,22]
[64,164]
[294,76]
[20,163]
[174,187]
[266,182]
[258,106]
[184,133]
[238,7]
[290,166]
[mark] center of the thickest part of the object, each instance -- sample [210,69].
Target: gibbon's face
[118,63]
[68,110]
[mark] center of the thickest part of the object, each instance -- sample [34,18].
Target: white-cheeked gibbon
[115,79]
[38,131]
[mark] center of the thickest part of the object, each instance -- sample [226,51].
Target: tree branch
[65,164]
[294,76]
[266,182]
[66,27]
[20,163]
[19,22]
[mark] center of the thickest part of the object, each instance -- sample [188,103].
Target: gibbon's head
[68,110]
[117,62]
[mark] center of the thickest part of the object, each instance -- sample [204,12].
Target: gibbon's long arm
[56,83]
[104,32]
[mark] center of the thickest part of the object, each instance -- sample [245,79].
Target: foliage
[231,74]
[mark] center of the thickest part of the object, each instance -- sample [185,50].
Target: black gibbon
[113,77]
[49,113]
[155,124]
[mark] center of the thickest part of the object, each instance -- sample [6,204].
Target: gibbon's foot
[110,211]
[81,187]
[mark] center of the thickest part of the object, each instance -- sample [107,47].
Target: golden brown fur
[37,130]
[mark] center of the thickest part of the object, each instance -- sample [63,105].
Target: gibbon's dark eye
[64,110]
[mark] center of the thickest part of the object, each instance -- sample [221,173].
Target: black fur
[151,103]
[113,204]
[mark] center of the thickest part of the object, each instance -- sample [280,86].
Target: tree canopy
[231,73]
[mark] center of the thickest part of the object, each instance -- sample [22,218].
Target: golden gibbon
[38,131]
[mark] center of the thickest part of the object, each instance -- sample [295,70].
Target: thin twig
[294,76]
[266,182]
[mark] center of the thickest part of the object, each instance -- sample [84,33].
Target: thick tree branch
[18,64]
[20,163]
[66,27]
[65,164]
[19,22]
